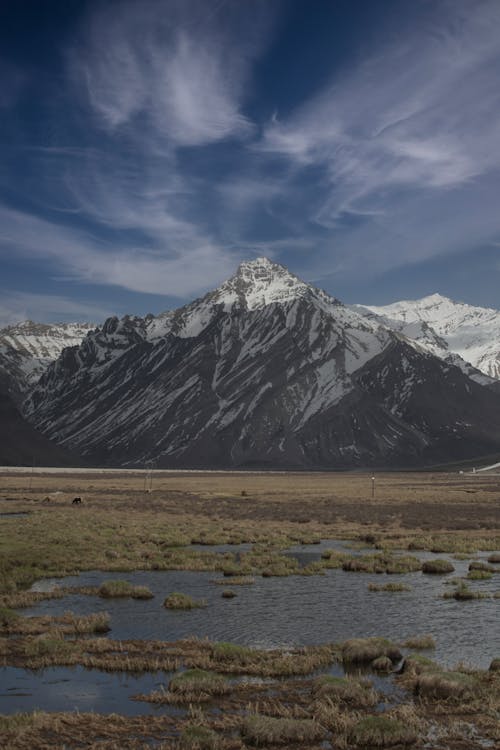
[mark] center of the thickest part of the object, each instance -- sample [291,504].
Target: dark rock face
[21,444]
[268,372]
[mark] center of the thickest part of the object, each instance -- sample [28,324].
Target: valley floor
[234,528]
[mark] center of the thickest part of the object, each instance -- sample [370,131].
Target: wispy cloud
[420,113]
[79,256]
[178,67]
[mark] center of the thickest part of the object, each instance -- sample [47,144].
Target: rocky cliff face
[264,371]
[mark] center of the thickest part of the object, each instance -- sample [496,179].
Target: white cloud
[78,256]
[180,68]
[421,113]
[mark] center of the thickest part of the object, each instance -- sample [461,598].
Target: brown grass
[262,731]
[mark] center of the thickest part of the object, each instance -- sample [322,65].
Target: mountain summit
[264,371]
[260,282]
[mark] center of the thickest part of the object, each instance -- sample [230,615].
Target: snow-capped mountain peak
[258,283]
[27,348]
[447,327]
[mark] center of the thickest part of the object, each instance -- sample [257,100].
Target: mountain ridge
[265,370]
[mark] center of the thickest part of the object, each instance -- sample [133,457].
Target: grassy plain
[248,697]
[119,526]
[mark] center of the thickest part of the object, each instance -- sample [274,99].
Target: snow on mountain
[446,328]
[265,370]
[27,348]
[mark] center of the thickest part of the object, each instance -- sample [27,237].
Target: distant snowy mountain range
[28,348]
[265,371]
[447,328]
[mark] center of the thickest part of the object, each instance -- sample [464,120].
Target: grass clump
[196,737]
[391,587]
[332,558]
[417,664]
[495,665]
[345,690]
[236,581]
[262,731]
[198,685]
[49,649]
[494,557]
[228,594]
[482,566]
[382,562]
[123,589]
[464,593]
[8,617]
[177,600]
[449,686]
[479,575]
[232,652]
[366,650]
[420,642]
[381,731]
[437,567]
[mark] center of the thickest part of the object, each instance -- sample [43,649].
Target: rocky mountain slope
[27,349]
[448,328]
[21,444]
[264,371]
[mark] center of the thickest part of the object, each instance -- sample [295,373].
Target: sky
[149,146]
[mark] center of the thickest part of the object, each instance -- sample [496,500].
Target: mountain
[27,348]
[21,444]
[264,371]
[448,329]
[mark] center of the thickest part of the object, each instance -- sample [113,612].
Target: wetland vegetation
[357,693]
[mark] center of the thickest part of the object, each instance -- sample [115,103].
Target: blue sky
[148,146]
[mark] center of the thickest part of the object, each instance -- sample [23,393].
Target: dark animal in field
[77,501]
[46,500]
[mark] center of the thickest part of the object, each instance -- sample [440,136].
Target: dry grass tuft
[420,642]
[262,731]
[437,567]
[345,690]
[381,731]
[366,650]
[177,600]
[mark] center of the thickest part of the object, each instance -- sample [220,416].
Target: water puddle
[271,613]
